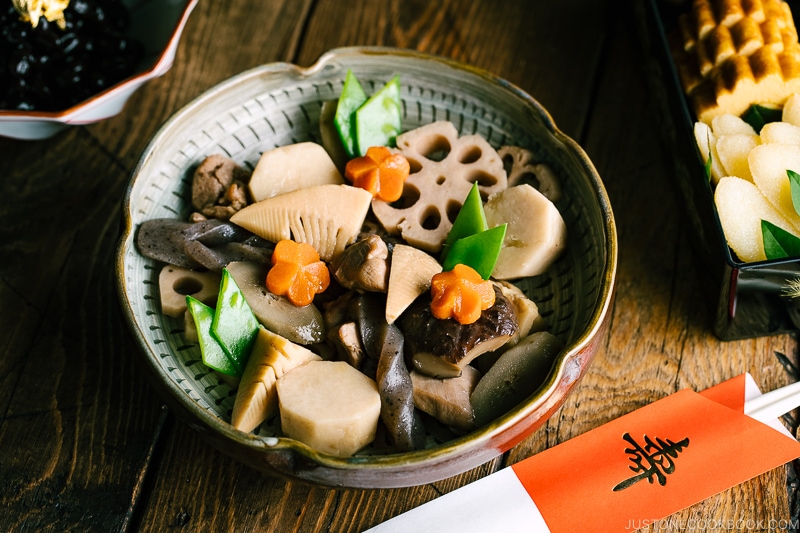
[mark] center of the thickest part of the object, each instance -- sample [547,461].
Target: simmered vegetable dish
[357,290]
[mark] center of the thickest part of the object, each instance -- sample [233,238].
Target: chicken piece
[218,187]
[364,265]
[348,344]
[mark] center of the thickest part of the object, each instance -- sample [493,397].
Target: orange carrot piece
[297,272]
[380,172]
[461,294]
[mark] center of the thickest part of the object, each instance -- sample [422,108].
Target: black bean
[48,68]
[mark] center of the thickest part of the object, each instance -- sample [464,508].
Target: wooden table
[86,444]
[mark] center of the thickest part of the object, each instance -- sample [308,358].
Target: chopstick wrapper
[625,474]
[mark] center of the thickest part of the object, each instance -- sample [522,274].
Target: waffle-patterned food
[731,54]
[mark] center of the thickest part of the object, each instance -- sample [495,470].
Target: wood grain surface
[85,443]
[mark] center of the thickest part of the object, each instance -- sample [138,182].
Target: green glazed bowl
[279,104]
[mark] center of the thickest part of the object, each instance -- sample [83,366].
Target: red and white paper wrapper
[636,469]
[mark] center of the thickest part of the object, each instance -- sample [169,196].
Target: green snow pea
[213,355]
[352,97]
[470,220]
[479,251]
[379,119]
[234,325]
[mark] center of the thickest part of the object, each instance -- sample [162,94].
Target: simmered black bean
[48,68]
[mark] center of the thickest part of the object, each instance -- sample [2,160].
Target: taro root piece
[397,393]
[441,348]
[363,265]
[521,167]
[328,217]
[517,374]
[447,400]
[302,325]
[218,187]
[256,399]
[175,283]
[409,276]
[330,406]
[291,167]
[443,168]
[535,236]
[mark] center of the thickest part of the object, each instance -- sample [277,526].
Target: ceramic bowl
[158,26]
[279,104]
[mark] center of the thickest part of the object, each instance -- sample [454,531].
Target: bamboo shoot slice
[409,276]
[272,357]
[328,217]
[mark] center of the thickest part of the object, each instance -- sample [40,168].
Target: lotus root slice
[443,168]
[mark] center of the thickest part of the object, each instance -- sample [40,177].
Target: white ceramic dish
[158,24]
[279,104]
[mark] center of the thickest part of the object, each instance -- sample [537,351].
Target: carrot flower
[297,272]
[460,293]
[380,172]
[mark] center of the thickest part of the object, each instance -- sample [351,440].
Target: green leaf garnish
[794,184]
[758,114]
[778,243]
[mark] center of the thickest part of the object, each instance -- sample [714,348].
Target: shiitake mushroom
[441,348]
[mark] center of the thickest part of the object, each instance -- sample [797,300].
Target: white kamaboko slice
[733,150]
[328,217]
[707,144]
[536,234]
[272,356]
[291,167]
[780,133]
[409,276]
[330,406]
[741,208]
[791,110]
[768,165]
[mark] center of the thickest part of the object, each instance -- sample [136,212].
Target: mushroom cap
[441,348]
